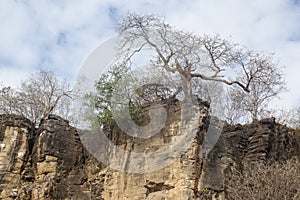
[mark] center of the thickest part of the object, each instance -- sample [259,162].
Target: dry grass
[266,182]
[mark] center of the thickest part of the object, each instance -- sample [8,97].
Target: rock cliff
[50,162]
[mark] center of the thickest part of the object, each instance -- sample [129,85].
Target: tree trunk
[187,89]
[186,79]
[255,113]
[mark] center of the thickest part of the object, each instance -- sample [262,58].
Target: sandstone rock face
[263,141]
[44,163]
[178,180]
[50,162]
[16,141]
[58,162]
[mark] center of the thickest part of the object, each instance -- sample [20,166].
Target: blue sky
[59,35]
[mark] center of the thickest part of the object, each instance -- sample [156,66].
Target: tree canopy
[253,78]
[40,95]
[206,57]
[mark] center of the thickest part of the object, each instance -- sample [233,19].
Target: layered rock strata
[51,162]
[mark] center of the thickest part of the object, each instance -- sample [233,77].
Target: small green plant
[100,102]
[108,95]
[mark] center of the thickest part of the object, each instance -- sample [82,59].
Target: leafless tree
[38,97]
[213,93]
[7,103]
[265,81]
[154,84]
[206,57]
[259,181]
[288,117]
[233,109]
[294,120]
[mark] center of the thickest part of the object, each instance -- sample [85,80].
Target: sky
[59,35]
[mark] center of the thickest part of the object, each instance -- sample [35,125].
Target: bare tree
[213,93]
[259,181]
[38,97]
[206,57]
[234,111]
[288,117]
[7,103]
[188,57]
[265,81]
[294,120]
[154,84]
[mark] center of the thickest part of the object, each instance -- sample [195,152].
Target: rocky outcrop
[17,136]
[178,180]
[263,141]
[45,163]
[58,162]
[50,162]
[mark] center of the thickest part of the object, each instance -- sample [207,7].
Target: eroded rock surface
[17,136]
[262,141]
[45,163]
[50,162]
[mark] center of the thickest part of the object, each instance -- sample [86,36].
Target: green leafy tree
[101,100]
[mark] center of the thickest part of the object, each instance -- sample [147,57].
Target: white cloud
[59,35]
[31,30]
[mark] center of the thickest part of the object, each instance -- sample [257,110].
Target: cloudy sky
[59,35]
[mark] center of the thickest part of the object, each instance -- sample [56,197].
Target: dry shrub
[258,181]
